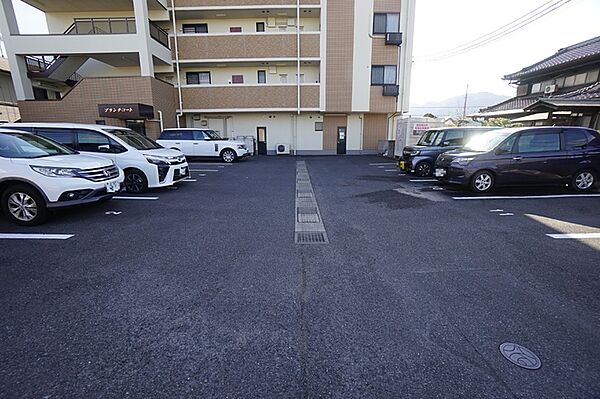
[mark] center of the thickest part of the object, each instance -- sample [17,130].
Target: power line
[499,33]
[488,34]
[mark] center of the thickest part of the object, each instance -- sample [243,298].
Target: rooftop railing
[112,26]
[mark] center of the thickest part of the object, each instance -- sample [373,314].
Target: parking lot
[201,290]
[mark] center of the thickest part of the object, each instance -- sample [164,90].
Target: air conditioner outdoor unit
[283,149]
[549,89]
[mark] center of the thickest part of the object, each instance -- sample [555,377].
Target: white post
[18,66]
[142,26]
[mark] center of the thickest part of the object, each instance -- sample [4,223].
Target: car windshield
[134,139]
[20,145]
[431,137]
[212,134]
[487,141]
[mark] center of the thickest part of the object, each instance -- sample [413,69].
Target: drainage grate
[311,237]
[520,355]
[308,215]
[304,194]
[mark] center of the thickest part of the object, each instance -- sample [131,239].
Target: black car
[420,158]
[525,156]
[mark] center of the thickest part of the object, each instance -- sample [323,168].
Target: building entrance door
[341,140]
[261,132]
[136,126]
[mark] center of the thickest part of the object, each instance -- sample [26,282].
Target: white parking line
[497,197]
[204,170]
[221,165]
[383,163]
[422,180]
[191,180]
[496,210]
[506,214]
[135,198]
[15,236]
[391,170]
[574,236]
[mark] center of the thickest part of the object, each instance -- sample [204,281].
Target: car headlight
[157,160]
[415,153]
[56,172]
[463,161]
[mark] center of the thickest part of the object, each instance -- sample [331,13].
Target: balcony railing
[159,34]
[101,26]
[114,26]
[227,46]
[250,97]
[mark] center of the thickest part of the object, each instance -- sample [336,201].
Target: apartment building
[319,76]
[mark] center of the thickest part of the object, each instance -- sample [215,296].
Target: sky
[442,24]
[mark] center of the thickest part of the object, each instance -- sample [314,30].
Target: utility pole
[464,116]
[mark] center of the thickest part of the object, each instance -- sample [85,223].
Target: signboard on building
[419,128]
[126,111]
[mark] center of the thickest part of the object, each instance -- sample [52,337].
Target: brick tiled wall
[204,3]
[80,105]
[330,125]
[374,129]
[387,5]
[247,46]
[249,97]
[340,39]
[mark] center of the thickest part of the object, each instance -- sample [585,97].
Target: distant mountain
[454,106]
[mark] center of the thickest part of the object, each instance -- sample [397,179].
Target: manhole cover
[520,356]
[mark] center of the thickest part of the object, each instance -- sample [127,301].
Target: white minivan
[194,142]
[37,174]
[145,162]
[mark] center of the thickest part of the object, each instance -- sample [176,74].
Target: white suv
[195,142]
[37,174]
[146,163]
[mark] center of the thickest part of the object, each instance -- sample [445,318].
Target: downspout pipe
[175,40]
[298,87]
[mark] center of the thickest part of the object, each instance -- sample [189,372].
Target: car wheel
[24,205]
[135,181]
[482,182]
[584,180]
[228,155]
[423,169]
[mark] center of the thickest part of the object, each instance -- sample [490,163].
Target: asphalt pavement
[201,290]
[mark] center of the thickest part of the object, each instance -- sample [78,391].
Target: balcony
[242,3]
[249,97]
[247,46]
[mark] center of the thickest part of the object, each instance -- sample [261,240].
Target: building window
[301,80]
[237,79]
[260,26]
[592,76]
[383,75]
[262,77]
[198,78]
[318,126]
[536,88]
[195,28]
[235,29]
[386,23]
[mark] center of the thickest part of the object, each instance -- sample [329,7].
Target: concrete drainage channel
[309,225]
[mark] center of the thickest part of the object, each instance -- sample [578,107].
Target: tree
[500,122]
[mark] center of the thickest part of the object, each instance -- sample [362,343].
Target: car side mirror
[104,148]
